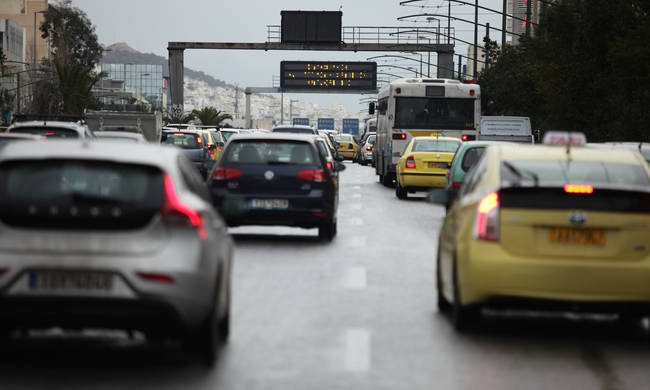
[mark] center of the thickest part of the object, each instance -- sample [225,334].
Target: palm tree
[171,118]
[210,116]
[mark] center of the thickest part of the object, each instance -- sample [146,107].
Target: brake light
[487,218]
[176,213]
[329,165]
[399,136]
[199,140]
[179,133]
[578,189]
[316,175]
[159,278]
[220,150]
[226,173]
[457,184]
[472,92]
[212,151]
[369,148]
[410,162]
[464,137]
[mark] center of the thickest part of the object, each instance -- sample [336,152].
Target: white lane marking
[356,195]
[356,187]
[357,350]
[353,241]
[355,206]
[355,278]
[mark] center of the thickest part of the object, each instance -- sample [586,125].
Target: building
[146,80]
[518,9]
[12,42]
[480,64]
[23,13]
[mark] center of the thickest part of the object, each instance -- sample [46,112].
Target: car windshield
[295,130]
[594,173]
[184,140]
[434,145]
[47,132]
[270,152]
[434,113]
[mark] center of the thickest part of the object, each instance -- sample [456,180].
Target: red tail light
[176,213]
[316,175]
[226,174]
[487,218]
[399,136]
[220,150]
[212,151]
[159,278]
[2,271]
[457,184]
[410,162]
[369,148]
[578,189]
[329,165]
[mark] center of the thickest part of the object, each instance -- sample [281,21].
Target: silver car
[113,236]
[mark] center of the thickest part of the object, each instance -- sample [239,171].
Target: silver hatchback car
[114,236]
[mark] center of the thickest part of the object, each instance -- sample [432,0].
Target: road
[358,313]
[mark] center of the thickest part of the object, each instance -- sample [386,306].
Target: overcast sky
[147,26]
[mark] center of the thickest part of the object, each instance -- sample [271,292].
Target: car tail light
[330,165]
[487,218]
[319,214]
[316,175]
[578,189]
[2,271]
[176,213]
[212,152]
[220,150]
[153,277]
[226,174]
[369,148]
[399,136]
[410,162]
[457,184]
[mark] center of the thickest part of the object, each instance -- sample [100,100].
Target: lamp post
[34,53]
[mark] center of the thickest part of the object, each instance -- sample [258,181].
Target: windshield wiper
[520,173]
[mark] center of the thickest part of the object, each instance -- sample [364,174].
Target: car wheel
[327,231]
[400,191]
[387,180]
[463,317]
[224,323]
[443,304]
[208,339]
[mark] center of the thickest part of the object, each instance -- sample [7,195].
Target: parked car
[112,235]
[276,179]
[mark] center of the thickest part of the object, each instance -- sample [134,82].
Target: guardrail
[384,35]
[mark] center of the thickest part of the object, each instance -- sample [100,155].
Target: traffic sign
[350,126]
[301,121]
[325,123]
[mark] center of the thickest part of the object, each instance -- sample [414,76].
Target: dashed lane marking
[355,278]
[357,350]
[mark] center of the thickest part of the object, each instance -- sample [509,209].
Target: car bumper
[367,156]
[422,180]
[490,274]
[347,153]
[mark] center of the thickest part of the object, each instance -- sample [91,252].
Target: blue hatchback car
[276,179]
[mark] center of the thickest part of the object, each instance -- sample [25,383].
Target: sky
[147,26]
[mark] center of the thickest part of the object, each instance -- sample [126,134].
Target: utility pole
[487,46]
[449,20]
[528,16]
[282,108]
[475,37]
[460,67]
[18,97]
[503,25]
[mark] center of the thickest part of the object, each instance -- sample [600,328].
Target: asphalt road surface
[357,313]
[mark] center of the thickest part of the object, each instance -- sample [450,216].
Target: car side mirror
[371,108]
[439,196]
[339,158]
[339,166]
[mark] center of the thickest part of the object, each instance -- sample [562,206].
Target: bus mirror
[371,108]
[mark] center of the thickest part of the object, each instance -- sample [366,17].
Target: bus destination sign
[328,76]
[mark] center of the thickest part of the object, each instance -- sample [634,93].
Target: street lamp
[34,54]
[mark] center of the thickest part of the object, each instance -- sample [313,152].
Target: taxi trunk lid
[608,225]
[432,162]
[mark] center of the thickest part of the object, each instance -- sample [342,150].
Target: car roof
[161,156]
[511,151]
[293,127]
[274,137]
[123,134]
[430,137]
[67,125]
[20,136]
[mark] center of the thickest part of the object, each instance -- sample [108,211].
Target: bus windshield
[434,113]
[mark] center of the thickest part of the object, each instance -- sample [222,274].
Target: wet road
[356,313]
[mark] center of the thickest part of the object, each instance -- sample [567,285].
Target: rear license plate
[567,235]
[269,204]
[70,281]
[437,165]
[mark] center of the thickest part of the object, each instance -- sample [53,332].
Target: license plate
[269,204]
[437,165]
[70,281]
[567,235]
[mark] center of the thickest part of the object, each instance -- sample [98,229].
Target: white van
[506,128]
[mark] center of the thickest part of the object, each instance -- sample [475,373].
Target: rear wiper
[520,173]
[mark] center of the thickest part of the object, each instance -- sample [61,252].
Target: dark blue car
[276,179]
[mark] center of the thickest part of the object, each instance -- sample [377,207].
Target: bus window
[434,113]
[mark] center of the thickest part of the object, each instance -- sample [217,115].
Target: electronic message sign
[328,76]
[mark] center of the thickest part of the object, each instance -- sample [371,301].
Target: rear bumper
[420,180]
[490,274]
[347,153]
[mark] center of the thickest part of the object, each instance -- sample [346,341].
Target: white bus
[412,107]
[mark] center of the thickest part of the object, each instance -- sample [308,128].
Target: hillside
[122,53]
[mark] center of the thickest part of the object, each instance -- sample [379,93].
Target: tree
[210,116]
[75,84]
[171,118]
[73,36]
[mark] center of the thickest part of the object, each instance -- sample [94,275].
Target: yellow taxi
[559,227]
[347,146]
[214,149]
[424,164]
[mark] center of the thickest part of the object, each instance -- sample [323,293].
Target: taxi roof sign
[564,138]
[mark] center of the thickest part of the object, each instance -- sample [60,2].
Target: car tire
[443,303]
[327,231]
[401,192]
[387,180]
[463,317]
[211,335]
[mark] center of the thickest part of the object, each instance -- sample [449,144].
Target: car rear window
[47,132]
[574,172]
[270,152]
[344,138]
[185,140]
[78,194]
[434,145]
[293,130]
[372,139]
[471,157]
